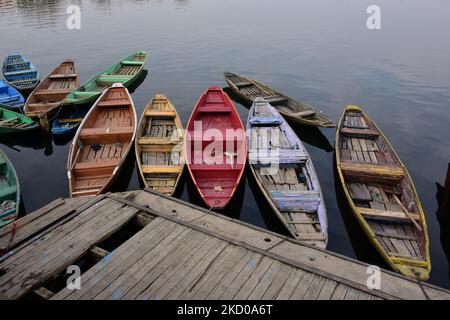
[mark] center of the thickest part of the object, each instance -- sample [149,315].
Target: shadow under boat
[307,134]
[125,174]
[35,140]
[443,214]
[364,250]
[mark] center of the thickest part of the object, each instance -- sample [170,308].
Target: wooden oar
[407,212]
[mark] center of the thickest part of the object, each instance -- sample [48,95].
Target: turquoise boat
[19,72]
[9,191]
[125,72]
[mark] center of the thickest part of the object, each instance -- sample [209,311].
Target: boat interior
[8,96]
[103,142]
[253,90]
[18,71]
[14,120]
[160,146]
[8,188]
[121,73]
[380,188]
[287,181]
[219,153]
[54,89]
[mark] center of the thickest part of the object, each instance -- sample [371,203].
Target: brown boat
[50,93]
[102,143]
[159,146]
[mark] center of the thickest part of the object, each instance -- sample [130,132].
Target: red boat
[216,148]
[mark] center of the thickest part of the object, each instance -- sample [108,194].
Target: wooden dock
[142,245]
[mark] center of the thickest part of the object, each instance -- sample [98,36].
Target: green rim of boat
[14,122]
[9,191]
[125,72]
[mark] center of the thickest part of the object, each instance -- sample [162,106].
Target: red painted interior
[216,182]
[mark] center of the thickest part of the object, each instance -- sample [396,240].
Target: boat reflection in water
[31,140]
[443,214]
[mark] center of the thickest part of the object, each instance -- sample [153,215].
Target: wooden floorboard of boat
[379,193]
[158,146]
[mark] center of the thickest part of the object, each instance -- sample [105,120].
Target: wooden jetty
[144,245]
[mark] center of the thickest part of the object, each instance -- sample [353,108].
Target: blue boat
[68,119]
[10,97]
[19,72]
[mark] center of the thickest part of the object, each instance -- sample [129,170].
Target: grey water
[317,51]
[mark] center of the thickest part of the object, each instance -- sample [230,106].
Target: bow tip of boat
[420,273]
[352,107]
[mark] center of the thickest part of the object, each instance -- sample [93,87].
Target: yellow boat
[381,194]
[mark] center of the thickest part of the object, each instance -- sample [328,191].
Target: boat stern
[352,107]
[420,273]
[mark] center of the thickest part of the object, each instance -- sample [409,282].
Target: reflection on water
[34,140]
[37,14]
[324,56]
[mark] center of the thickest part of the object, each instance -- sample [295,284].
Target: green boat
[14,122]
[126,72]
[9,191]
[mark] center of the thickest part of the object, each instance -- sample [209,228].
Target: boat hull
[126,72]
[389,178]
[10,97]
[296,112]
[20,73]
[100,148]
[216,173]
[9,191]
[159,146]
[14,122]
[285,174]
[47,97]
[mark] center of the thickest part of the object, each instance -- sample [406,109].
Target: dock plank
[185,252]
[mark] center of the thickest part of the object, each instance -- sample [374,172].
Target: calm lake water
[320,52]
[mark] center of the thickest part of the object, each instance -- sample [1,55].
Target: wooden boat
[215,156]
[285,174]
[14,122]
[9,191]
[10,97]
[159,146]
[381,194]
[19,72]
[102,143]
[126,72]
[49,94]
[294,111]
[68,119]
